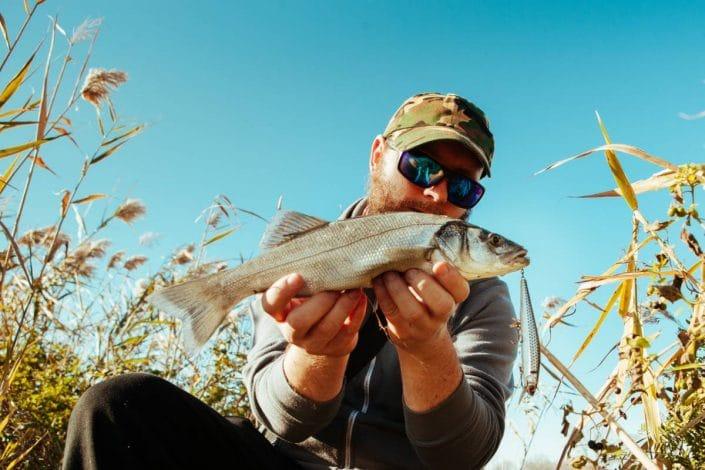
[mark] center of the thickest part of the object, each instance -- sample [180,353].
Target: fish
[339,255]
[530,345]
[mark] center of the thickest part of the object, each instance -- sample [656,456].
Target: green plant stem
[19,36]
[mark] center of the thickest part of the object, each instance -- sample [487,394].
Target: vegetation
[74,310]
[664,387]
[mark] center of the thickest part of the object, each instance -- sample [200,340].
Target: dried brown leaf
[692,243]
[662,179]
[65,202]
[628,149]
[39,161]
[90,197]
[590,282]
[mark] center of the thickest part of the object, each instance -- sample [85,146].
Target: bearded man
[413,373]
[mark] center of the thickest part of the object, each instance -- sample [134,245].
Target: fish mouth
[518,257]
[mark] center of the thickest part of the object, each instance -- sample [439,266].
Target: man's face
[390,191]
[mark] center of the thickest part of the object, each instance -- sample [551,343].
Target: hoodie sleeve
[273,401]
[466,429]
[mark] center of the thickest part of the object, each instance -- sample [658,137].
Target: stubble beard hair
[380,199]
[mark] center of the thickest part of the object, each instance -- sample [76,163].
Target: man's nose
[439,192]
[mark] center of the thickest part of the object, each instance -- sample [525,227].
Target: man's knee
[116,395]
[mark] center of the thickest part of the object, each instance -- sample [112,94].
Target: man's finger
[347,336]
[438,300]
[332,321]
[354,321]
[304,317]
[276,298]
[384,300]
[411,309]
[451,279]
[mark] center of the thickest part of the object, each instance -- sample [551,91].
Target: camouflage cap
[434,116]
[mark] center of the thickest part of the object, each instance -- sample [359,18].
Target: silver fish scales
[339,255]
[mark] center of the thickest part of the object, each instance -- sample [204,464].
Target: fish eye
[495,240]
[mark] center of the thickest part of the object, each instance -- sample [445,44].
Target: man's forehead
[452,153]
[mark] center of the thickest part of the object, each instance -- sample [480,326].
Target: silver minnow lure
[530,353]
[339,255]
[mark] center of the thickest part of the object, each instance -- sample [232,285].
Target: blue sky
[257,100]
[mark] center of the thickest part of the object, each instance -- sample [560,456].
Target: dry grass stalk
[623,435]
[115,259]
[86,30]
[99,83]
[185,255]
[130,210]
[134,262]
[673,440]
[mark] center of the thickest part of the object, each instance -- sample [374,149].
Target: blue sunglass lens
[424,171]
[463,191]
[420,169]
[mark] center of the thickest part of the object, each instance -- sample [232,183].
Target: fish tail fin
[202,304]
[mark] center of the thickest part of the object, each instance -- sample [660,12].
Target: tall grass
[73,309]
[655,276]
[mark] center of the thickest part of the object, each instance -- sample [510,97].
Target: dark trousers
[142,421]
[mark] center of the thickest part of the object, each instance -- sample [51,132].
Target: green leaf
[132,132]
[598,324]
[219,236]
[692,365]
[16,81]
[132,341]
[6,176]
[18,148]
[108,152]
[619,176]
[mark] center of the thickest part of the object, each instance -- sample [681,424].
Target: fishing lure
[530,352]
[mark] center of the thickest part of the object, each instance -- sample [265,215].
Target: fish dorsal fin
[287,225]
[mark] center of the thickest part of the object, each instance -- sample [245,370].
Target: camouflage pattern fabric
[434,116]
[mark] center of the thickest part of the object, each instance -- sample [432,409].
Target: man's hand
[417,306]
[325,324]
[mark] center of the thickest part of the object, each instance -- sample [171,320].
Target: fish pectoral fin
[287,225]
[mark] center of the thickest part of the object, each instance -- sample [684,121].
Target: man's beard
[381,199]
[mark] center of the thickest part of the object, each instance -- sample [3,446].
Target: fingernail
[291,280]
[355,295]
[442,269]
[411,274]
[358,303]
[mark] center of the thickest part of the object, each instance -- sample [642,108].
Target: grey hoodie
[367,425]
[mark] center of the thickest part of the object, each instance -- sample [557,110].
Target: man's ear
[377,151]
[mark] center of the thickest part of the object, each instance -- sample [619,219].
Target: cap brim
[420,135]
